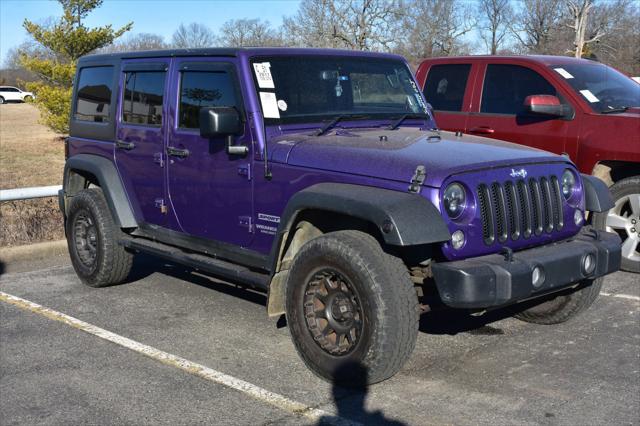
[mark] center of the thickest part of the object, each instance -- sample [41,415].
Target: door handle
[177,152]
[125,145]
[482,130]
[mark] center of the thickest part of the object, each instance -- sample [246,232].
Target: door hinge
[246,222]
[158,158]
[245,170]
[418,179]
[161,205]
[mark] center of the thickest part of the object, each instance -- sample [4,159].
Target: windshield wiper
[394,125]
[321,131]
[615,110]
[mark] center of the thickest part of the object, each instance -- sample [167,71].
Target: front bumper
[502,279]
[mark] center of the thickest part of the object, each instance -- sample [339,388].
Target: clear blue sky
[148,16]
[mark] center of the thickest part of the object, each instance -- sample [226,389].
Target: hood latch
[418,179]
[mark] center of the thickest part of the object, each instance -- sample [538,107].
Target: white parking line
[621,296]
[199,370]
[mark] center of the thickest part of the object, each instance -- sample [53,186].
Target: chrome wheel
[624,219]
[333,313]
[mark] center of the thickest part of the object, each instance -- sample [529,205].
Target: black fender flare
[107,175]
[403,219]
[596,194]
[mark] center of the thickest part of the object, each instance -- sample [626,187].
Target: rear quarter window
[93,98]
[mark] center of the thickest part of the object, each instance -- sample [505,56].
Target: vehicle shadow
[349,390]
[452,322]
[2,267]
[145,265]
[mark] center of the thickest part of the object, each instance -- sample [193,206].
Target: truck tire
[624,219]
[350,303]
[563,307]
[92,238]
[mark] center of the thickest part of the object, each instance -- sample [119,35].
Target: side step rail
[220,268]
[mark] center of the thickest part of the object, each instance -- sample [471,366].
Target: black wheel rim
[85,236]
[333,312]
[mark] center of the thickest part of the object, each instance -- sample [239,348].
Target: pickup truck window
[142,98]
[445,86]
[311,89]
[199,89]
[506,86]
[94,94]
[604,89]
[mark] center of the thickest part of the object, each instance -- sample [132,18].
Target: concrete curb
[33,251]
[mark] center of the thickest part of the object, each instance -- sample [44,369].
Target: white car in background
[12,94]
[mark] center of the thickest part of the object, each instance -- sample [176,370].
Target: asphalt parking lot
[464,371]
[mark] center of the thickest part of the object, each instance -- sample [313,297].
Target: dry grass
[30,155]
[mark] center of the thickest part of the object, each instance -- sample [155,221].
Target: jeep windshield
[310,89]
[603,88]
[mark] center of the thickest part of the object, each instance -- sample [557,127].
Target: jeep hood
[395,154]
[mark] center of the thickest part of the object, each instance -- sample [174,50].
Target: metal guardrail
[29,193]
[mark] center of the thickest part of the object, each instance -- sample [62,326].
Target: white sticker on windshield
[589,96]
[563,73]
[282,105]
[269,105]
[263,75]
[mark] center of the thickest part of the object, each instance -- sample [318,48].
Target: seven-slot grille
[521,208]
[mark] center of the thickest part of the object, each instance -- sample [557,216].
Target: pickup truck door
[210,191]
[499,113]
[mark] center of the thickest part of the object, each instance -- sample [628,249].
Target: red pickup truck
[581,108]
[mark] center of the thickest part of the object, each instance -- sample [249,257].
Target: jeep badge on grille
[518,173]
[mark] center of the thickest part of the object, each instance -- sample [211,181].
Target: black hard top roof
[228,52]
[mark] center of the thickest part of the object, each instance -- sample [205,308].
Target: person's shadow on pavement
[350,395]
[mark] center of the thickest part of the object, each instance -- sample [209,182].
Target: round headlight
[568,183]
[454,200]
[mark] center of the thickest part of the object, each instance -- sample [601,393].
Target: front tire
[624,219]
[92,238]
[563,307]
[351,304]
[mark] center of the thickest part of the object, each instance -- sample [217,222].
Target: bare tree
[193,36]
[136,42]
[538,26]
[496,15]
[367,24]
[620,44]
[436,28]
[248,32]
[312,25]
[354,24]
[579,10]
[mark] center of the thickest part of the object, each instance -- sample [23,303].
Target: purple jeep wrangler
[320,177]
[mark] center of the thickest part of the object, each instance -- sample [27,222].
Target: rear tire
[624,219]
[564,307]
[92,238]
[1,100]
[350,304]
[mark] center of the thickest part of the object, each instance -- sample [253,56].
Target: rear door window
[199,89]
[93,97]
[506,87]
[445,86]
[142,98]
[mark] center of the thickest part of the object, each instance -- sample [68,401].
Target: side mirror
[548,105]
[222,121]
